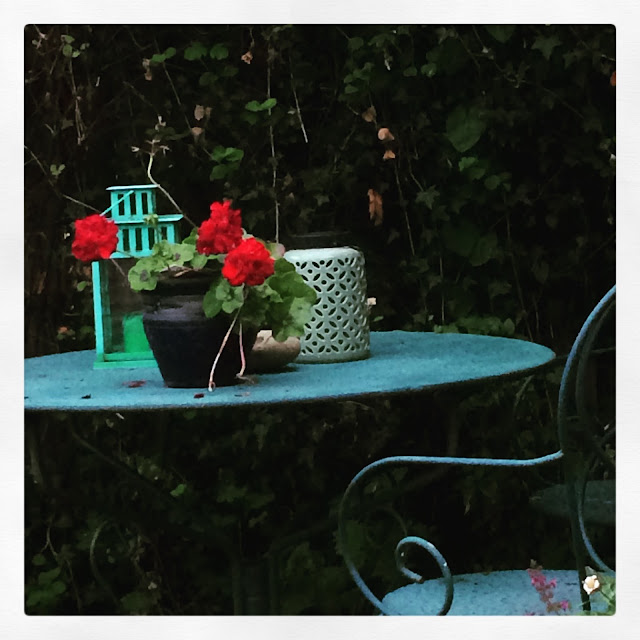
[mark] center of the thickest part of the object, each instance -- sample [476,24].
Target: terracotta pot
[185,342]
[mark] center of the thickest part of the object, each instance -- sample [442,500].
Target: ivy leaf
[253,105]
[428,197]
[466,162]
[195,51]
[429,69]
[501,32]
[207,78]
[219,172]
[484,250]
[179,490]
[47,577]
[465,126]
[492,182]
[38,560]
[546,45]
[219,52]
[498,288]
[461,238]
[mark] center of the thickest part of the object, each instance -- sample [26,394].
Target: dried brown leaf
[198,112]
[385,135]
[375,207]
[370,114]
[388,155]
[247,57]
[196,132]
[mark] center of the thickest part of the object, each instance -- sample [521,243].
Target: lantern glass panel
[123,339]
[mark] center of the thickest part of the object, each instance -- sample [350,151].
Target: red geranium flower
[96,237]
[248,263]
[222,231]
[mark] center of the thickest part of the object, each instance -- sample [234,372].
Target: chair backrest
[578,429]
[586,439]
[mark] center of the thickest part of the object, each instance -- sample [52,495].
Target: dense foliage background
[475,168]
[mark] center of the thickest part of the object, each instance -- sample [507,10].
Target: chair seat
[599,502]
[499,593]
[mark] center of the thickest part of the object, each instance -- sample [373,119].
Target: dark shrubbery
[487,207]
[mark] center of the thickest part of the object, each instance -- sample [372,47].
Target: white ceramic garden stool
[339,328]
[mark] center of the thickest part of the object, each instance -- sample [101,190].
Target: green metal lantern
[120,337]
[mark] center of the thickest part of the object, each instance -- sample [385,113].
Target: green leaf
[211,304]
[492,182]
[501,32]
[460,238]
[67,50]
[546,45]
[142,278]
[137,602]
[428,197]
[170,52]
[47,577]
[207,78]
[355,43]
[498,288]
[195,51]
[57,587]
[228,71]
[465,126]
[38,560]
[540,271]
[179,490]
[466,162]
[429,69]
[269,103]
[484,250]
[219,52]
[219,172]
[410,72]
[509,327]
[199,261]
[254,105]
[351,89]
[67,39]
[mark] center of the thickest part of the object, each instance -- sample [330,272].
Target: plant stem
[273,157]
[295,97]
[166,193]
[212,384]
[403,204]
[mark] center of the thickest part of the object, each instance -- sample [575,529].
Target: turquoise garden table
[400,362]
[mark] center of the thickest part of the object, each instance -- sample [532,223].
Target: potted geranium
[207,297]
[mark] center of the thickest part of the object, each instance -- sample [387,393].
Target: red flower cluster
[222,231]
[96,237]
[249,263]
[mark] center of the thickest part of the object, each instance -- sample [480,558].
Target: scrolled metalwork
[416,577]
[573,397]
[358,482]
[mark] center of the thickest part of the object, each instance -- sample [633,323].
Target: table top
[400,361]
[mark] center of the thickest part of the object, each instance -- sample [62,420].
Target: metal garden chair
[585,443]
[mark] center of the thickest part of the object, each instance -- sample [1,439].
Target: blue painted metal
[400,362]
[499,593]
[572,396]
